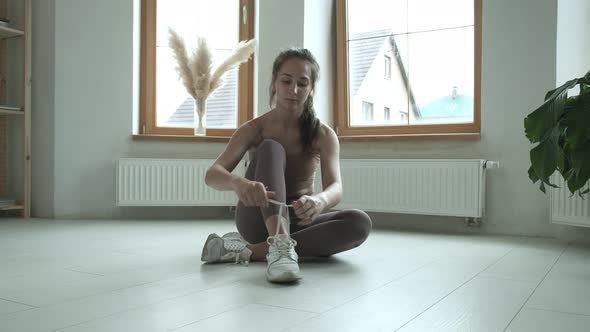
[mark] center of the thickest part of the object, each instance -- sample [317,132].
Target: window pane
[441,75]
[368,84]
[403,117]
[367,116]
[372,18]
[436,14]
[218,22]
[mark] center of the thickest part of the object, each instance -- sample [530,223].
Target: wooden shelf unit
[10,111]
[14,207]
[16,38]
[7,32]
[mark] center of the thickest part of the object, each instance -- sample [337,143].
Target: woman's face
[293,84]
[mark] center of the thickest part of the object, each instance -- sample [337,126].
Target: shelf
[14,207]
[15,138]
[6,32]
[11,110]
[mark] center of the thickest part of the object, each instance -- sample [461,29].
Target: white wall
[94,89]
[573,40]
[319,37]
[43,105]
[279,26]
[306,23]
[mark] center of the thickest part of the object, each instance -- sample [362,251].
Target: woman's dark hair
[309,123]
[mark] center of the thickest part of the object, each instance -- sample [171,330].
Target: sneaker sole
[212,250]
[284,277]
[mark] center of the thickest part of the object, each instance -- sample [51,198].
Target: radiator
[419,186]
[566,208]
[430,186]
[168,182]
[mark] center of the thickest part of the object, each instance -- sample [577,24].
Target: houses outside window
[387,67]
[367,112]
[437,92]
[403,117]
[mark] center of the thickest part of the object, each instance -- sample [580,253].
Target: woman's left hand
[307,208]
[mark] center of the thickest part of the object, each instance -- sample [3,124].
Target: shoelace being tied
[283,244]
[235,246]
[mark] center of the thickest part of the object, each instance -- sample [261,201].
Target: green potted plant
[561,126]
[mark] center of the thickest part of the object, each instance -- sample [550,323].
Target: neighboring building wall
[379,91]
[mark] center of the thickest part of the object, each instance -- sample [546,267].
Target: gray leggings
[330,232]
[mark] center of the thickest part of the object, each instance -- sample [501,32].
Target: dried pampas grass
[196,74]
[201,63]
[177,45]
[239,55]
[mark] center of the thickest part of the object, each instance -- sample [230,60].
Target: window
[165,106]
[431,51]
[403,117]
[386,114]
[367,115]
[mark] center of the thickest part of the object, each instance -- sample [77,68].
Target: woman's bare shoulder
[248,133]
[326,137]
[262,119]
[326,134]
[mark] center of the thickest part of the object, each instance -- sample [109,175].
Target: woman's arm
[251,193]
[219,174]
[309,207]
[331,194]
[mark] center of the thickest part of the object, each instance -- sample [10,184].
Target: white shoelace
[241,262]
[279,203]
[285,243]
[282,206]
[236,246]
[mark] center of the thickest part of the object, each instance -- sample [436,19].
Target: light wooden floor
[146,276]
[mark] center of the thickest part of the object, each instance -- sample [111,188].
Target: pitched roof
[363,48]
[219,103]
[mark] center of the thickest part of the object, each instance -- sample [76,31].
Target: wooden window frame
[147,102]
[341,112]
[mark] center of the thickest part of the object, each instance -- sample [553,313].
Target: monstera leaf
[561,127]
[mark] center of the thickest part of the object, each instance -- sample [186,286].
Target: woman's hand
[307,208]
[253,193]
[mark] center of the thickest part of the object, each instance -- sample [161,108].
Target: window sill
[411,137]
[359,138]
[180,138]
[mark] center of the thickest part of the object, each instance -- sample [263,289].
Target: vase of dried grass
[200,118]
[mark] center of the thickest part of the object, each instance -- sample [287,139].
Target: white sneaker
[282,259]
[229,248]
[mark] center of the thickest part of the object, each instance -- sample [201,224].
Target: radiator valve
[472,222]
[492,164]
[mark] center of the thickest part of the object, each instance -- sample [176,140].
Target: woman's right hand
[253,193]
